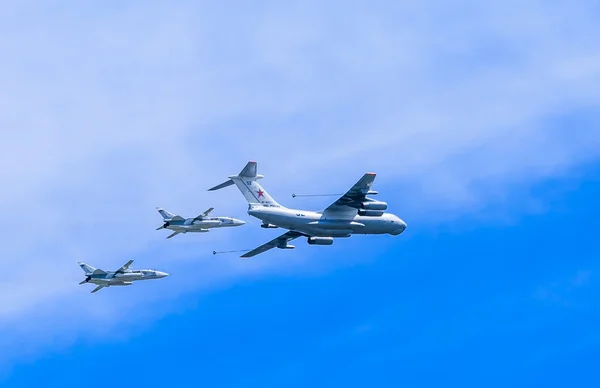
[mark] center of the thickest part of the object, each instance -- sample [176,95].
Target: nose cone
[237,222]
[401,227]
[160,274]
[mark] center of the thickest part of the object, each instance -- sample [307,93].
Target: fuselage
[328,224]
[202,225]
[126,278]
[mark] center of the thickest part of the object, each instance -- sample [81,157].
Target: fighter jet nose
[161,274]
[239,222]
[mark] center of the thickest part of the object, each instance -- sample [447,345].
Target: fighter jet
[199,224]
[121,277]
[353,213]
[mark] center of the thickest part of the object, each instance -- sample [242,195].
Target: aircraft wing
[125,267]
[353,197]
[206,213]
[276,242]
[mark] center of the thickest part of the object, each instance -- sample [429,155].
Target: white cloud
[106,113]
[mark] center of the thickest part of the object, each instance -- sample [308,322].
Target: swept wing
[125,267]
[206,213]
[351,201]
[280,241]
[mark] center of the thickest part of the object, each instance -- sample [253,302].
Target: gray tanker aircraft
[353,213]
[121,277]
[199,224]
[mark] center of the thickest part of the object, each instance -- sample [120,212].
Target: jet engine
[370,213]
[374,205]
[269,226]
[320,240]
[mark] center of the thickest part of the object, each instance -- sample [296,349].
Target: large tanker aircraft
[353,213]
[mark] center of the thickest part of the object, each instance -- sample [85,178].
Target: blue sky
[481,121]
[462,303]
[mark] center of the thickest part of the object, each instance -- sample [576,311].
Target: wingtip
[370,173]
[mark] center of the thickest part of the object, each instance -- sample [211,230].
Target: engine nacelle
[374,205]
[320,240]
[269,226]
[370,213]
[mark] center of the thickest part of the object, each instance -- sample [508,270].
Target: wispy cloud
[561,292]
[109,111]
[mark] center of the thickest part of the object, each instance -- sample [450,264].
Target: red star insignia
[260,193]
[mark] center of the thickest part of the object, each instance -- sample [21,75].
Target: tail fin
[246,181]
[88,269]
[165,214]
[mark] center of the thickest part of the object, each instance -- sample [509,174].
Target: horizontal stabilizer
[173,234]
[98,272]
[222,185]
[97,289]
[246,181]
[177,218]
[248,172]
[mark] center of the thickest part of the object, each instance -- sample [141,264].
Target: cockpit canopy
[145,272]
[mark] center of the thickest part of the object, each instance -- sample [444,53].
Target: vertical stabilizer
[246,181]
[165,214]
[88,269]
